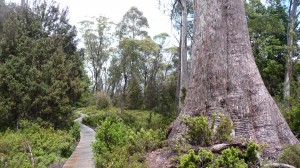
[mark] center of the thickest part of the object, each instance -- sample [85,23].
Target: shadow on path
[82,157]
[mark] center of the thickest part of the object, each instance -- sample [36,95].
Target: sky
[115,9]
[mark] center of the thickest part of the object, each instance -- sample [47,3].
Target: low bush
[102,100]
[119,145]
[230,157]
[291,155]
[35,146]
[201,132]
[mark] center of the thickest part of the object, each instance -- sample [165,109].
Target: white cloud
[115,9]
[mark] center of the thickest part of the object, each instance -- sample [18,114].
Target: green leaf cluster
[291,155]
[119,145]
[35,146]
[201,131]
[230,157]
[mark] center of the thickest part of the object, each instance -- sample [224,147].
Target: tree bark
[183,48]
[178,78]
[225,79]
[123,101]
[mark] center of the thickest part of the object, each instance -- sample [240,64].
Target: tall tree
[97,40]
[183,53]
[225,79]
[181,12]
[291,43]
[130,29]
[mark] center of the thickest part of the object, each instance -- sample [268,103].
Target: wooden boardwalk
[82,157]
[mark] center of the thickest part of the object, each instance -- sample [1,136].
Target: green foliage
[183,91]
[118,145]
[102,100]
[48,146]
[199,130]
[232,157]
[293,118]
[134,97]
[267,28]
[111,133]
[191,160]
[291,155]
[224,129]
[136,119]
[122,139]
[97,41]
[202,133]
[250,154]
[40,70]
[75,131]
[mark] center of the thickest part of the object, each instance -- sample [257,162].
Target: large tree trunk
[183,53]
[290,51]
[225,79]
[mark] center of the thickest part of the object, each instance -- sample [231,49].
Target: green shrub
[199,130]
[47,145]
[111,133]
[102,100]
[291,155]
[232,157]
[189,160]
[250,154]
[94,120]
[118,145]
[203,159]
[75,130]
[224,129]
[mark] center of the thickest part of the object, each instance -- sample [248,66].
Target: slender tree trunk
[123,101]
[183,47]
[225,79]
[290,51]
[177,100]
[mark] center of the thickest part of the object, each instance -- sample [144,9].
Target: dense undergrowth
[123,139]
[33,145]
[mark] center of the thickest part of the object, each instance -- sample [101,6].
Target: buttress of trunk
[225,79]
[183,46]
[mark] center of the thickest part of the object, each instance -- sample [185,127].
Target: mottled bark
[225,79]
[183,53]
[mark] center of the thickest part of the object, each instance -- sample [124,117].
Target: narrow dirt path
[82,157]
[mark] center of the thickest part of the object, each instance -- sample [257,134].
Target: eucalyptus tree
[97,40]
[182,10]
[293,13]
[225,79]
[130,30]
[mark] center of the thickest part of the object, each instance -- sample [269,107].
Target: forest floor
[83,154]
